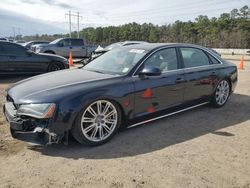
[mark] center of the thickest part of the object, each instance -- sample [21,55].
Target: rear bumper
[28,130]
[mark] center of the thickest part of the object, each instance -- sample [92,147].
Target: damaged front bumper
[34,131]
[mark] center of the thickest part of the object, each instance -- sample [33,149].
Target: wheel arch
[229,81]
[53,62]
[111,99]
[49,52]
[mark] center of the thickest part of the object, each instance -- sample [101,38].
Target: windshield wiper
[102,72]
[97,71]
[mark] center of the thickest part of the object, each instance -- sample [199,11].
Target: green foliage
[230,30]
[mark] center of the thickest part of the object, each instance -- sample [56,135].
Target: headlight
[38,50]
[40,111]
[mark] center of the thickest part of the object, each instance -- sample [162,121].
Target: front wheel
[55,67]
[97,123]
[221,94]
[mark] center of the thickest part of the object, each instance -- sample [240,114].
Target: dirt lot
[204,147]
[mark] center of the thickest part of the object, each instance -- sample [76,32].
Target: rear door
[201,75]
[155,93]
[78,48]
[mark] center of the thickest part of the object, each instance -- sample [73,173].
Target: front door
[78,49]
[156,93]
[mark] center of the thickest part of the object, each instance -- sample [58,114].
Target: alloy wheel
[99,120]
[222,92]
[55,67]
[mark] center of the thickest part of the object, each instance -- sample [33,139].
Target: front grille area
[10,99]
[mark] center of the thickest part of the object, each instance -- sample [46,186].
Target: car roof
[6,42]
[71,38]
[152,46]
[133,41]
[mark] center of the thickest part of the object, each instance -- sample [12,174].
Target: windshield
[112,46]
[118,61]
[27,43]
[55,41]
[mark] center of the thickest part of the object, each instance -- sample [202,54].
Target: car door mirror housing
[150,71]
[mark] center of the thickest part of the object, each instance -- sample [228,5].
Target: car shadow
[162,133]
[10,79]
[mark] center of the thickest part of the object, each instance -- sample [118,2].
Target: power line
[70,14]
[199,4]
[156,15]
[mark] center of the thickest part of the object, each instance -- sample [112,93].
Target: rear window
[193,57]
[213,60]
[11,49]
[77,42]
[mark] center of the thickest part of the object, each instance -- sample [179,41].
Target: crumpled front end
[29,129]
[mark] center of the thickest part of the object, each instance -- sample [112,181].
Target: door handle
[213,73]
[70,47]
[12,57]
[179,80]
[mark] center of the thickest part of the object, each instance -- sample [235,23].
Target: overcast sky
[48,16]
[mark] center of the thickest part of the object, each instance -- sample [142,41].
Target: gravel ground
[203,147]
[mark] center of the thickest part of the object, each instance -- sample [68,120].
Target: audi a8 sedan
[124,87]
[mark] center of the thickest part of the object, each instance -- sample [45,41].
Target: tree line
[230,30]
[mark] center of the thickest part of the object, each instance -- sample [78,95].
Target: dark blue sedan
[125,87]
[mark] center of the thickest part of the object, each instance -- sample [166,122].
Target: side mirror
[150,71]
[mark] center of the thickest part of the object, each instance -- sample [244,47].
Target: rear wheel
[221,94]
[49,52]
[97,123]
[55,67]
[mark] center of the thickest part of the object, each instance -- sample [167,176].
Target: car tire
[97,123]
[49,52]
[55,66]
[221,94]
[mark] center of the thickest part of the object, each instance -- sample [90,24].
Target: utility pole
[78,34]
[78,24]
[69,14]
[14,32]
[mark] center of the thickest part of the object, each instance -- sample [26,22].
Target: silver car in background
[99,51]
[63,46]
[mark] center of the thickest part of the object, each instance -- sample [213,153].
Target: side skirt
[166,115]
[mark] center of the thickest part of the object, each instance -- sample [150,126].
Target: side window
[213,60]
[14,50]
[64,42]
[193,57]
[77,42]
[165,60]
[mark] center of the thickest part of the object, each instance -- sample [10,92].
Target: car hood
[29,90]
[101,51]
[42,45]
[52,56]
